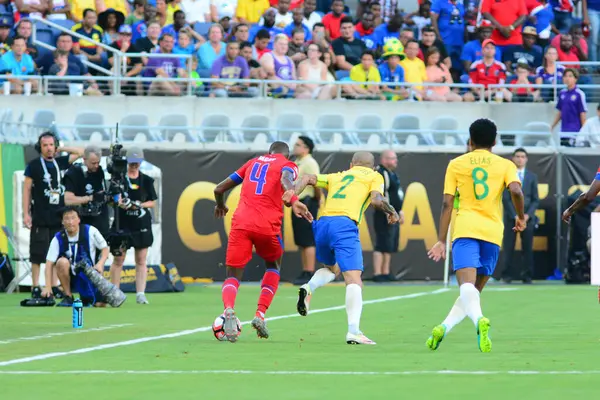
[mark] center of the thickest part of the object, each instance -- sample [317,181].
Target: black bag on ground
[7,273]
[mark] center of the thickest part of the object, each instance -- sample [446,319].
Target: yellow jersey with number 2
[349,192]
[480,177]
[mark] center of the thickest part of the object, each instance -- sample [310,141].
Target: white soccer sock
[353,307]
[469,296]
[455,316]
[320,278]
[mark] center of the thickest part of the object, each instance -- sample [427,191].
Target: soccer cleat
[260,325]
[437,335]
[304,295]
[483,335]
[358,339]
[230,325]
[140,298]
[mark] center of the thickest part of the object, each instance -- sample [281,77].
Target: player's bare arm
[516,194]
[583,200]
[221,209]
[290,199]
[438,251]
[380,203]
[303,182]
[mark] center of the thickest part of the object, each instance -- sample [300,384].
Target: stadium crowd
[445,41]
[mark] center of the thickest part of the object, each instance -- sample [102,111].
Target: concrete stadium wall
[510,116]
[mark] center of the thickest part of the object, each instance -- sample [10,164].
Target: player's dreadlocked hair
[280,148]
[483,133]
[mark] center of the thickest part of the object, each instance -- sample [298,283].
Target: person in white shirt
[283,17]
[590,131]
[67,248]
[311,17]
[222,8]
[196,10]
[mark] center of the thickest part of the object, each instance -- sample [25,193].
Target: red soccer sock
[269,286]
[229,292]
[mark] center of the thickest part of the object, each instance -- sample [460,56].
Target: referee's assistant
[387,235]
[311,196]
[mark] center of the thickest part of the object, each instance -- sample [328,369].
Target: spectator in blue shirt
[471,52]
[391,30]
[298,18]
[268,25]
[139,28]
[448,19]
[213,49]
[365,30]
[18,63]
[391,71]
[528,51]
[179,25]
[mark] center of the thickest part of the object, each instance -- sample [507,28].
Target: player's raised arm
[584,199]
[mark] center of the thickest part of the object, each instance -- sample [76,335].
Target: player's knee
[62,264]
[353,277]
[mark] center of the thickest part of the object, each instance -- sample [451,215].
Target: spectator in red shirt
[506,16]
[580,46]
[487,71]
[525,93]
[261,43]
[567,51]
[333,20]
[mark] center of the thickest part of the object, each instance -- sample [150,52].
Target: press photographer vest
[75,252]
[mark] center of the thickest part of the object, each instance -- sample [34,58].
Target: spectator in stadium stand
[179,25]
[60,10]
[406,35]
[578,46]
[283,16]
[375,9]
[59,68]
[487,71]
[541,17]
[231,66]
[110,21]
[420,19]
[333,20]
[134,64]
[296,47]
[506,16]
[118,5]
[172,6]
[64,42]
[529,51]
[414,69]
[563,15]
[298,23]
[148,43]
[364,31]
[197,10]
[280,67]
[568,52]
[366,71]
[348,49]
[261,44]
[268,23]
[448,21]
[526,93]
[165,68]
[250,11]
[591,18]
[430,40]
[391,71]
[161,13]
[140,28]
[5,26]
[220,9]
[545,73]
[318,35]
[313,69]
[472,50]
[387,8]
[311,17]
[185,46]
[88,28]
[32,8]
[240,33]
[213,48]
[256,72]
[18,63]
[225,22]
[78,7]
[438,72]
[390,30]
[138,12]
[24,29]
[572,109]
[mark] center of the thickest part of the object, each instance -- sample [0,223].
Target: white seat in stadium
[174,128]
[366,126]
[538,134]
[253,125]
[406,130]
[447,123]
[288,125]
[134,125]
[330,124]
[44,119]
[215,128]
[89,125]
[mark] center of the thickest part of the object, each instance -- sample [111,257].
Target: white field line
[73,332]
[197,330]
[246,372]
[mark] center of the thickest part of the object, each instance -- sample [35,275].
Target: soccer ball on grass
[219,331]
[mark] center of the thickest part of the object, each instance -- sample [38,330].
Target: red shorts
[239,247]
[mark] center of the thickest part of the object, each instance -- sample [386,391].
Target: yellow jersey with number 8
[349,192]
[480,177]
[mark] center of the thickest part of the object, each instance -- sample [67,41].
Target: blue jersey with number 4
[260,208]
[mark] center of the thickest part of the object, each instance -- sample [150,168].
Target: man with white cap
[136,222]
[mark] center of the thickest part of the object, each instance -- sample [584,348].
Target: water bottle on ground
[77,314]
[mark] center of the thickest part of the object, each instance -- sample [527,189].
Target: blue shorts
[337,241]
[475,253]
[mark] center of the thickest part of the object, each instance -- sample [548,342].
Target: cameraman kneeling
[135,220]
[85,187]
[73,244]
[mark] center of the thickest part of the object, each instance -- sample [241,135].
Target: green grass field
[546,345]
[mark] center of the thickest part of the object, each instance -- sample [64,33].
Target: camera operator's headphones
[38,145]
